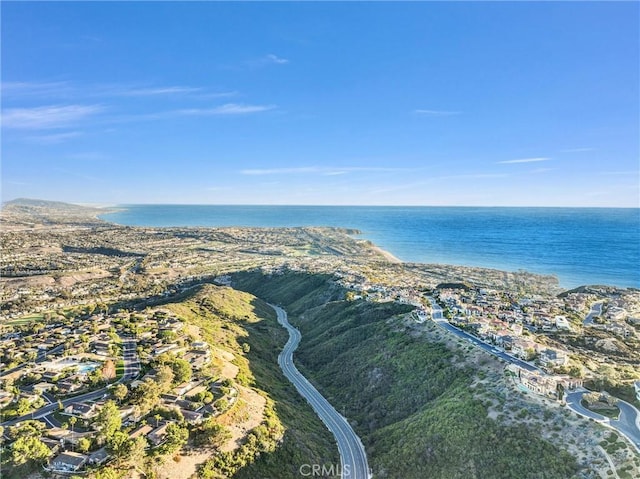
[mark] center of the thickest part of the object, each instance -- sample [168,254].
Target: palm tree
[72,422]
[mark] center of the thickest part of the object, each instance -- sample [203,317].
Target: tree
[29,449]
[108,421]
[211,433]
[106,473]
[120,392]
[23,407]
[146,396]
[136,450]
[221,404]
[116,444]
[95,377]
[72,422]
[165,377]
[26,429]
[181,370]
[84,445]
[176,438]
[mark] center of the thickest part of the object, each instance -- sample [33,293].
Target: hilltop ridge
[31,213]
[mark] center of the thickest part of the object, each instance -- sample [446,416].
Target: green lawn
[26,319]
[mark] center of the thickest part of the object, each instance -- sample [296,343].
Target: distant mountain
[35,203]
[27,212]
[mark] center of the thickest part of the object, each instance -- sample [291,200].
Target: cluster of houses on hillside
[68,353]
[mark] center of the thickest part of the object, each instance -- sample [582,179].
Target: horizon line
[120,205]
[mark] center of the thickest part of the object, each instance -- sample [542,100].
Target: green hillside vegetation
[291,434]
[298,291]
[407,397]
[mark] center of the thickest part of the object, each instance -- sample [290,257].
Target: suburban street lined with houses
[628,422]
[131,370]
[353,457]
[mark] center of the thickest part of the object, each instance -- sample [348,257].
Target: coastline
[388,256]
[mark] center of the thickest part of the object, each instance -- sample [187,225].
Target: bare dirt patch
[70,280]
[246,415]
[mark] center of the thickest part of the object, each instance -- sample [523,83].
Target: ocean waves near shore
[578,245]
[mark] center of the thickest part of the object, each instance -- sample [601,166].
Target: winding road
[353,459]
[628,423]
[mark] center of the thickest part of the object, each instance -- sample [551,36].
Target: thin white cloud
[17,183]
[324,171]
[471,176]
[271,58]
[22,89]
[436,112]
[170,90]
[65,89]
[621,173]
[265,61]
[576,150]
[55,137]
[47,117]
[226,109]
[280,171]
[523,160]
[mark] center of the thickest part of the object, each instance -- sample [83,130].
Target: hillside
[247,340]
[423,405]
[26,212]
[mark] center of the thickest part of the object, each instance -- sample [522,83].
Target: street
[131,370]
[628,423]
[353,458]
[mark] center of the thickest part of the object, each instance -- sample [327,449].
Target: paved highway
[353,458]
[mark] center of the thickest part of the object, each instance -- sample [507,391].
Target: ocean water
[578,245]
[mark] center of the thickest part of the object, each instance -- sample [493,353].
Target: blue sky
[322,103]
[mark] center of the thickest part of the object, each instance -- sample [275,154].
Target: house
[184,388]
[68,462]
[538,383]
[197,358]
[562,323]
[81,410]
[141,431]
[51,375]
[5,398]
[42,387]
[192,417]
[169,398]
[163,349]
[101,348]
[523,348]
[52,444]
[200,345]
[158,435]
[68,385]
[552,358]
[99,457]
